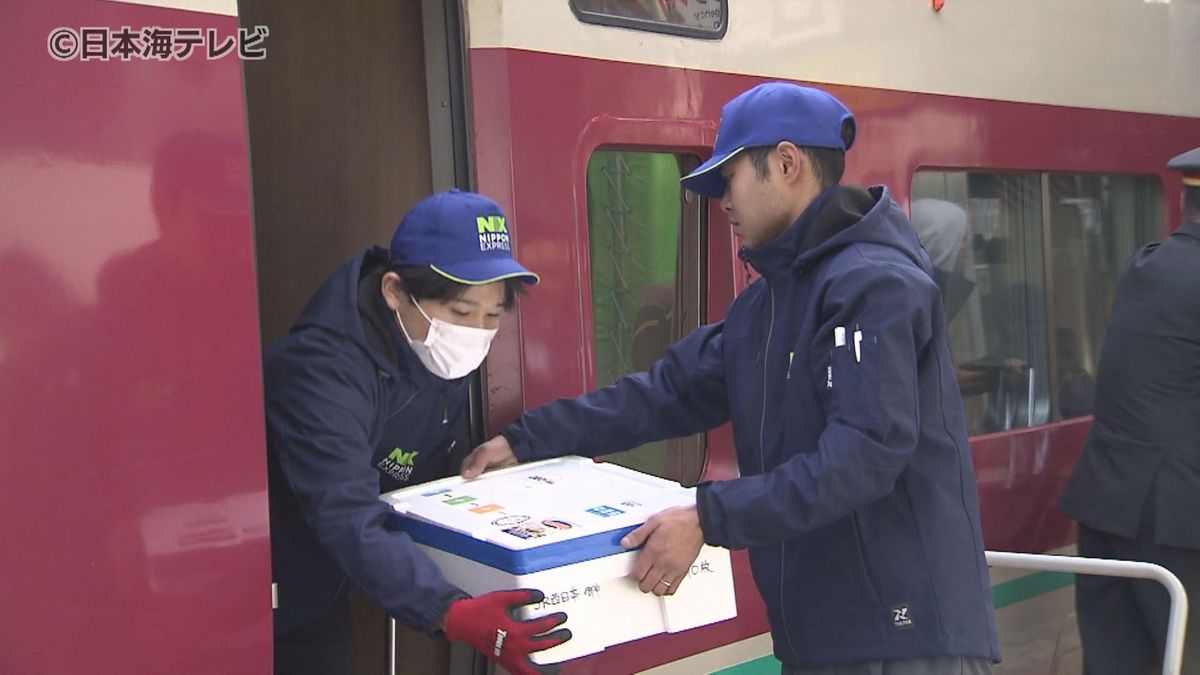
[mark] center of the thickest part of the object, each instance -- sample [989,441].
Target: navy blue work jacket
[344,423]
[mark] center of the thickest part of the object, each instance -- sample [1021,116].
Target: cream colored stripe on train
[223,7]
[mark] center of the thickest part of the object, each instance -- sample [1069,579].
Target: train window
[1096,222]
[1010,250]
[692,18]
[984,234]
[645,244]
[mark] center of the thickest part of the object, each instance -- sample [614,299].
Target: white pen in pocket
[857,346]
[839,340]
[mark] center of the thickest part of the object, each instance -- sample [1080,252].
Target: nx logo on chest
[398,465]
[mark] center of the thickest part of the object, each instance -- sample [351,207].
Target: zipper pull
[444,415]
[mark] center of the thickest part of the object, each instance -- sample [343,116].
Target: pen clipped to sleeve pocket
[850,383]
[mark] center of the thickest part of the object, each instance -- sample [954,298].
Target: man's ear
[392,288]
[793,163]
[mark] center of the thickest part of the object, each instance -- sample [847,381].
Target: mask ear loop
[401,322]
[402,328]
[418,306]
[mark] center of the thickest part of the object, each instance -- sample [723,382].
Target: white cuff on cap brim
[706,180]
[524,275]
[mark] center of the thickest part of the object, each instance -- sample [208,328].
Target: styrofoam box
[556,526]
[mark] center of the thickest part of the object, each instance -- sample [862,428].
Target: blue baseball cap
[462,236]
[766,115]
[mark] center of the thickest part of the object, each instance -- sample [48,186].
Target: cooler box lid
[534,516]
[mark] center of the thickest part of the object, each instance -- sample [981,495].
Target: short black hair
[423,283]
[1191,203]
[758,157]
[828,164]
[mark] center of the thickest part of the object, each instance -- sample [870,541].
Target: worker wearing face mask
[364,396]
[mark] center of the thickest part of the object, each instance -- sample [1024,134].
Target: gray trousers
[1123,622]
[950,665]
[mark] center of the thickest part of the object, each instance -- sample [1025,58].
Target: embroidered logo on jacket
[398,465]
[901,618]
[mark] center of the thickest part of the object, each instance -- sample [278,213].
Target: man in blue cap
[363,396]
[1136,488]
[857,496]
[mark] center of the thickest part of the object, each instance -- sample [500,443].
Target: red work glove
[489,624]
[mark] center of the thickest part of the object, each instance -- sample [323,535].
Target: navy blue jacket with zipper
[857,497]
[351,413]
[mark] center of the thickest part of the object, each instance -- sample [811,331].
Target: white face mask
[449,351]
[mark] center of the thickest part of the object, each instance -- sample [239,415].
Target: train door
[353,117]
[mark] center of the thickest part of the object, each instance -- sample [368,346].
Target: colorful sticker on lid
[525,531]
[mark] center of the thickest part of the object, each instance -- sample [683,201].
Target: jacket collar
[779,256]
[1190,228]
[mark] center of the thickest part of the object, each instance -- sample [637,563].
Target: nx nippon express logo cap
[463,236]
[766,115]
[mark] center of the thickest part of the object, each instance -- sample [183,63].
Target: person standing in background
[1136,489]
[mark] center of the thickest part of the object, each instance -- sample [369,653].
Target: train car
[178,176]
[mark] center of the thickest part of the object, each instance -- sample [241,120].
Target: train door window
[692,18]
[984,235]
[1095,223]
[645,242]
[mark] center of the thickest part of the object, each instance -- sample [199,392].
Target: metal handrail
[1177,621]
